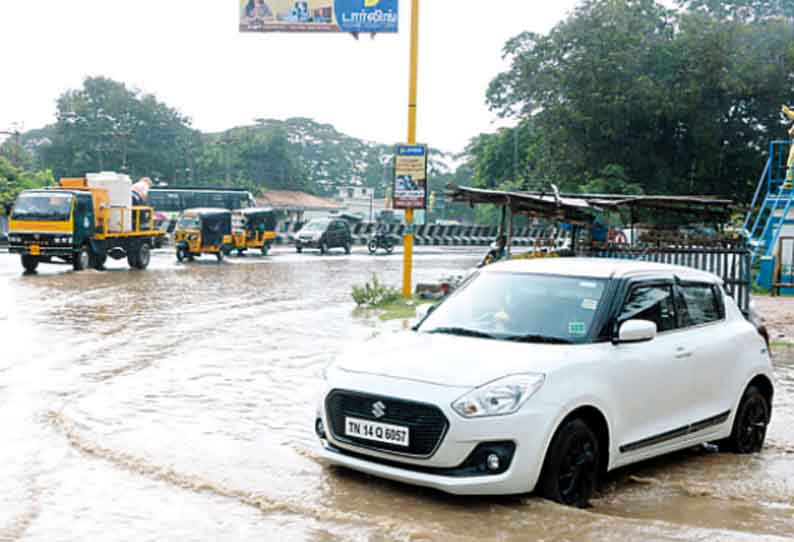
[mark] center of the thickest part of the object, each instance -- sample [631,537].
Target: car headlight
[500,397]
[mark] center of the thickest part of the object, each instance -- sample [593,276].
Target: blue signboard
[367,15]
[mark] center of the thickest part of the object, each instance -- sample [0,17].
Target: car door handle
[682,353]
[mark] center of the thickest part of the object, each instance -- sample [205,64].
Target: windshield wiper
[462,331]
[537,338]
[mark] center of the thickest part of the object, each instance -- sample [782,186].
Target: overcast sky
[191,56]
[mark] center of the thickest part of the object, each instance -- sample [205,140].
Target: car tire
[749,426]
[570,470]
[372,247]
[30,263]
[348,247]
[143,256]
[323,247]
[81,259]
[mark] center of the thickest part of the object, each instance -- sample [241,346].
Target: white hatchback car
[544,374]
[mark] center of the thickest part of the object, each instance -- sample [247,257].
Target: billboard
[365,16]
[410,177]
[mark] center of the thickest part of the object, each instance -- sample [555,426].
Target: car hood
[449,360]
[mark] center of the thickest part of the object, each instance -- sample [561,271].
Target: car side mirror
[636,331]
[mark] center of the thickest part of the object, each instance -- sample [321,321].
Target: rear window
[699,305]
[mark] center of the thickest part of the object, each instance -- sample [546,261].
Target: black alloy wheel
[30,263]
[749,427]
[81,259]
[571,467]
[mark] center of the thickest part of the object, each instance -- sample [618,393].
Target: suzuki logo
[378,409]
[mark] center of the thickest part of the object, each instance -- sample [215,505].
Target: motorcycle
[380,240]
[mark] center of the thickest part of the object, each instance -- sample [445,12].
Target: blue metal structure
[775,211]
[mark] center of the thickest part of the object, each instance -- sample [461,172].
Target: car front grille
[426,424]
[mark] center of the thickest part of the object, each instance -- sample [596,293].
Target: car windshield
[43,206]
[520,307]
[189,223]
[315,225]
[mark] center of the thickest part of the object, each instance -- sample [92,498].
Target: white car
[544,374]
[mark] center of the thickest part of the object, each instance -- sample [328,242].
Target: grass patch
[384,300]
[781,344]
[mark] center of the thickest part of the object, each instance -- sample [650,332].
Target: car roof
[598,268]
[206,211]
[254,210]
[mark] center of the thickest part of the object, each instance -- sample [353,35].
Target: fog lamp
[493,462]
[319,428]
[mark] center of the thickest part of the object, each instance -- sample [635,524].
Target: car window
[699,305]
[653,303]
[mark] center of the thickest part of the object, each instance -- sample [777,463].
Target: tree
[105,126]
[14,180]
[683,102]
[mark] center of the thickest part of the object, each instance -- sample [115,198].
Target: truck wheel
[30,263]
[132,256]
[81,259]
[143,256]
[98,261]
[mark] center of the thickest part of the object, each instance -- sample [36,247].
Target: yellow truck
[78,224]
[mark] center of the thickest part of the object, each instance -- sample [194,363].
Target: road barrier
[438,235]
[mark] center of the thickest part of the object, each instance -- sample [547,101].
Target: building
[298,206]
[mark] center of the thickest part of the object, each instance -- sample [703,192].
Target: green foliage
[682,101]
[612,180]
[14,180]
[106,126]
[374,295]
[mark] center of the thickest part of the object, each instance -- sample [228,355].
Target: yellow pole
[408,239]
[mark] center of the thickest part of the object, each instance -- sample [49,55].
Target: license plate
[378,432]
[35,250]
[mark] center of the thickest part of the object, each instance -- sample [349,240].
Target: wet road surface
[177,404]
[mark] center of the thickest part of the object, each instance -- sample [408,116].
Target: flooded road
[178,404]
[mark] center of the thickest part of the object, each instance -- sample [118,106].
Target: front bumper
[529,430]
[307,243]
[45,251]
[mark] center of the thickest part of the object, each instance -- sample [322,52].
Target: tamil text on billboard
[376,16]
[410,177]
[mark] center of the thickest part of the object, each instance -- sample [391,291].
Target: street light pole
[408,239]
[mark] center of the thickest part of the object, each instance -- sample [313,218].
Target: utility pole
[408,239]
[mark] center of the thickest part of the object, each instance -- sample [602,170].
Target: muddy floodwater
[178,404]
